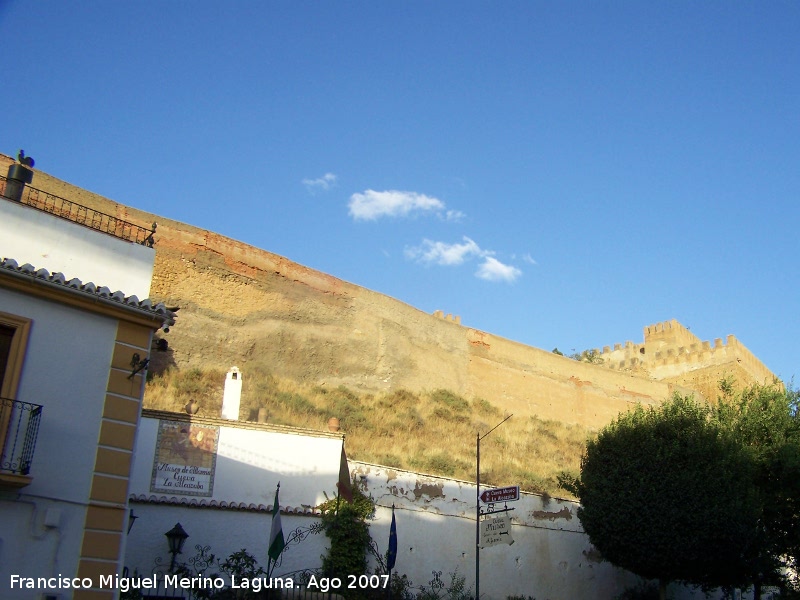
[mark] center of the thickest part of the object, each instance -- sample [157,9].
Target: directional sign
[506,494]
[496,531]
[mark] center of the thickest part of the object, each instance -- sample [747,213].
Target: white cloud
[323,183]
[441,253]
[372,205]
[529,259]
[453,215]
[448,255]
[493,270]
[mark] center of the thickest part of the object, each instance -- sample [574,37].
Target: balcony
[77,213]
[19,427]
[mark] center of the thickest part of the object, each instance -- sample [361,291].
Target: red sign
[506,494]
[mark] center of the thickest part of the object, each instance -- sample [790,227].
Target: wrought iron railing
[83,215]
[19,427]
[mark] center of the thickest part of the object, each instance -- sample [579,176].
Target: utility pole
[478,438]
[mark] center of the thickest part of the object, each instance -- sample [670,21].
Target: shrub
[450,399]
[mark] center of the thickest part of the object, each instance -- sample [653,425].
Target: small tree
[667,494]
[764,419]
[345,524]
[589,356]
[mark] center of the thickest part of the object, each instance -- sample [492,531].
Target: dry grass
[432,432]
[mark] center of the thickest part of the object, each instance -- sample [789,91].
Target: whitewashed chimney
[232,394]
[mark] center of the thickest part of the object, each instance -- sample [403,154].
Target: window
[6,338]
[13,340]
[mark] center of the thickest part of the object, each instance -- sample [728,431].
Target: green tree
[764,419]
[667,493]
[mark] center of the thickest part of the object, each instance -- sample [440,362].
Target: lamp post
[176,538]
[478,438]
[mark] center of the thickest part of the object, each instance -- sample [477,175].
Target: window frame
[10,384]
[16,353]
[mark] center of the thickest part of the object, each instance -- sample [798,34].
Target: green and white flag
[276,543]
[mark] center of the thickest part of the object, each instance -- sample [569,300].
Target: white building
[72,356]
[217,478]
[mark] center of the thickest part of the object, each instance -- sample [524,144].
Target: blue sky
[557,173]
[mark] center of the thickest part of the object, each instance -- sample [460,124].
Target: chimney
[18,176]
[232,394]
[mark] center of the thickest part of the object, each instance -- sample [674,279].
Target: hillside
[431,432]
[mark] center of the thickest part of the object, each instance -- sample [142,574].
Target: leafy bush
[455,589]
[643,591]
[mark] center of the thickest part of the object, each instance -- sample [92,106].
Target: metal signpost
[490,510]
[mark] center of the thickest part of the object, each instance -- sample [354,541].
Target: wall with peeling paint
[551,557]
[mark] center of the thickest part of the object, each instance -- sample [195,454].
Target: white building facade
[69,346]
[218,478]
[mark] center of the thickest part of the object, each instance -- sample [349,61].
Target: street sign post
[478,438]
[506,494]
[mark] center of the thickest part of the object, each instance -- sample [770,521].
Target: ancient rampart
[671,353]
[245,306]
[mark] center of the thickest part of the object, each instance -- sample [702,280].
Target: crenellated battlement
[669,333]
[671,352]
[447,317]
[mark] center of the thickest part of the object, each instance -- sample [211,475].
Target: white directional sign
[496,530]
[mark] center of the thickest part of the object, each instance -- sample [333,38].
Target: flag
[391,556]
[276,543]
[344,486]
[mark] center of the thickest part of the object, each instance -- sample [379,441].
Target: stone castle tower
[673,354]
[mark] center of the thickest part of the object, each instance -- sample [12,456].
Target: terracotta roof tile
[220,504]
[59,280]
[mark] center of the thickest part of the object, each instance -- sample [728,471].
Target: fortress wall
[531,381]
[246,306]
[706,380]
[670,352]
[673,361]
[628,356]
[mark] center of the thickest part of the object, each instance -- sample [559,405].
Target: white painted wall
[225,531]
[31,236]
[551,559]
[251,462]
[66,371]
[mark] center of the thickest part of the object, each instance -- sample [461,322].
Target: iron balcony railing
[19,427]
[83,215]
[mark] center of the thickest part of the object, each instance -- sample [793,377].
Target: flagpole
[388,557]
[391,555]
[276,542]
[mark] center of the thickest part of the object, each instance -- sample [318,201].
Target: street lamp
[176,538]
[479,437]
